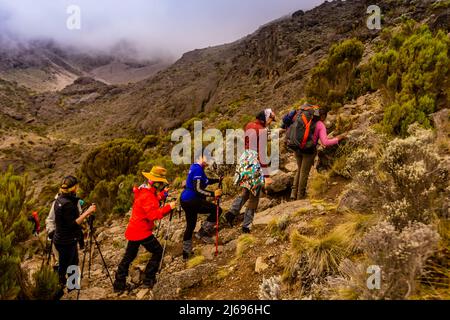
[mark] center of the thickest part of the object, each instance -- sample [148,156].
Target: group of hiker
[304,128]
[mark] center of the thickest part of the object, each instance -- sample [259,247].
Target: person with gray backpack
[304,128]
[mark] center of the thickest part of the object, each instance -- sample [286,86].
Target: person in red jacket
[34,218]
[146,210]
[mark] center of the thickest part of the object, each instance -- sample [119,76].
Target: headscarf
[265,115]
[268,113]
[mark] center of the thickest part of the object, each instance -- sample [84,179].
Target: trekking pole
[91,234]
[217,217]
[165,240]
[82,269]
[160,221]
[50,252]
[104,262]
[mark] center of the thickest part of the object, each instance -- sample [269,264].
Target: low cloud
[154,28]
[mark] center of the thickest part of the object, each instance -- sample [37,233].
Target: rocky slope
[43,65]
[47,135]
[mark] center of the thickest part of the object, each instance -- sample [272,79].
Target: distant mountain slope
[268,68]
[46,66]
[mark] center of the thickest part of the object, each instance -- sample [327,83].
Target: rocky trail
[243,261]
[230,275]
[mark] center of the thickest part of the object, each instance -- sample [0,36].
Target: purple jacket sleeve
[321,133]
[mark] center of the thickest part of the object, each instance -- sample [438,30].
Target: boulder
[291,166]
[209,251]
[265,203]
[230,246]
[281,182]
[355,200]
[286,208]
[260,265]
[170,285]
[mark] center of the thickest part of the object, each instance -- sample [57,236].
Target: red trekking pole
[217,218]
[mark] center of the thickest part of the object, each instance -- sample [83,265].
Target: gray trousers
[252,205]
[304,163]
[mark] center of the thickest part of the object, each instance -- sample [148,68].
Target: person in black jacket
[68,229]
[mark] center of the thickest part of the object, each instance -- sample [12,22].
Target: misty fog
[147,29]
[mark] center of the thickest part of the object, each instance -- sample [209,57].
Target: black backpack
[299,135]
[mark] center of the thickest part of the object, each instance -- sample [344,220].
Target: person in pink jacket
[305,158]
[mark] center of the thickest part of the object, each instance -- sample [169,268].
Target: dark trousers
[304,163]
[192,209]
[152,245]
[68,256]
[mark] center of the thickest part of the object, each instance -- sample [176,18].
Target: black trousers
[152,245]
[194,207]
[68,256]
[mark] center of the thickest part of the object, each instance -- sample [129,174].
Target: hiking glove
[218,193]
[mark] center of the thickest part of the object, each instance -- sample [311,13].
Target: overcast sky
[156,26]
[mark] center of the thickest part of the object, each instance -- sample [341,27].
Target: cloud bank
[154,27]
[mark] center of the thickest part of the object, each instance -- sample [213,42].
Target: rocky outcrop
[281,182]
[170,285]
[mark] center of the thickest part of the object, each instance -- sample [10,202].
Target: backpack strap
[307,129]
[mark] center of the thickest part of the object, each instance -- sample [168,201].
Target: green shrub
[226,124]
[13,229]
[124,197]
[113,196]
[46,284]
[150,141]
[109,161]
[243,120]
[332,78]
[414,74]
[189,125]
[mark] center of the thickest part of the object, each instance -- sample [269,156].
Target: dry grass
[314,257]
[277,227]
[318,184]
[195,261]
[244,242]
[223,273]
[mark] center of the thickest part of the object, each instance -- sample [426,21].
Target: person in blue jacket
[194,201]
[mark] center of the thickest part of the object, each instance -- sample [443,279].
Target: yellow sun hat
[157,174]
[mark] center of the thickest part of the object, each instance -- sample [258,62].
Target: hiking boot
[229,216]
[187,255]
[120,286]
[149,284]
[245,230]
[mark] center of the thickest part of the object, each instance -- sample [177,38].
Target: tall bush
[14,228]
[332,78]
[414,74]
